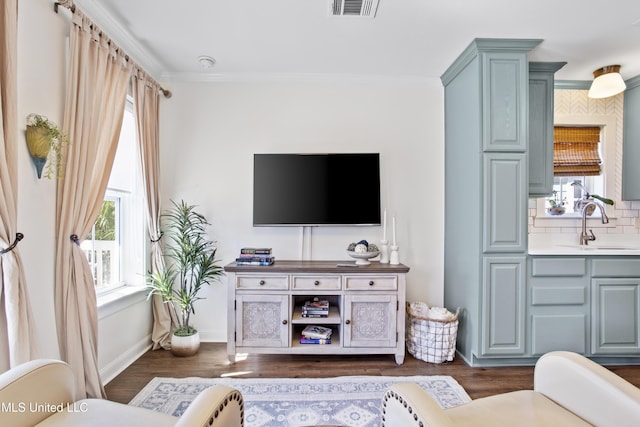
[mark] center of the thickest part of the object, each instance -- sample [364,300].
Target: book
[316,304]
[263,251]
[315,331]
[255,261]
[254,256]
[304,340]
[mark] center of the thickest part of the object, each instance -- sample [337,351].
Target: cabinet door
[503,306]
[262,320]
[370,320]
[505,202]
[505,101]
[631,143]
[615,319]
[540,134]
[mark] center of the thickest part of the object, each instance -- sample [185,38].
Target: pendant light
[607,82]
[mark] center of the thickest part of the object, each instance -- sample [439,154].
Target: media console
[367,307]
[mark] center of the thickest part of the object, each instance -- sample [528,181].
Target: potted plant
[191,265]
[556,205]
[44,141]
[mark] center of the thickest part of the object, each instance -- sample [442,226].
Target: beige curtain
[146,101]
[95,100]
[17,337]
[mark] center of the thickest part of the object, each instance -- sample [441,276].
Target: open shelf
[295,342]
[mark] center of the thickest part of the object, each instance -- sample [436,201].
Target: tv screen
[316,189]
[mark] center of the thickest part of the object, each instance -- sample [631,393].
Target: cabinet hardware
[284,322]
[317,282]
[347,322]
[261,282]
[371,283]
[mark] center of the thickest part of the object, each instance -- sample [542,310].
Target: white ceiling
[408,39]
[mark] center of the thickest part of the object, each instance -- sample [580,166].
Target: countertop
[569,244]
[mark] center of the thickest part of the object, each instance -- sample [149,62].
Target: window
[115,247]
[576,158]
[602,184]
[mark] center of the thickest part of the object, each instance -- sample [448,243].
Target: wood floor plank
[211,362]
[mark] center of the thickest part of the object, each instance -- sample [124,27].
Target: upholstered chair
[569,390]
[40,393]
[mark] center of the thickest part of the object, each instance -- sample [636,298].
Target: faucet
[584,236]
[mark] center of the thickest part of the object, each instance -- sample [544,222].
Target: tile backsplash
[625,218]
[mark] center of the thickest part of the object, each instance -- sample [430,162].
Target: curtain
[94,106]
[146,101]
[17,335]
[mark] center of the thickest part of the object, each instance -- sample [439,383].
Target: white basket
[433,341]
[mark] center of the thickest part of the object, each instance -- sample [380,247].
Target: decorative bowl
[362,258]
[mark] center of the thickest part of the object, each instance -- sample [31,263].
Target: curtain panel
[146,99]
[17,335]
[97,85]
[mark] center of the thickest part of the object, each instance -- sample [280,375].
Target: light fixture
[607,82]
[206,61]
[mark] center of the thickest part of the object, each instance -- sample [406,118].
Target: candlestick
[394,259]
[384,252]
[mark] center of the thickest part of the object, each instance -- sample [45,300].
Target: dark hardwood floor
[211,362]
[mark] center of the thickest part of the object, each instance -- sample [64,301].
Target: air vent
[365,8]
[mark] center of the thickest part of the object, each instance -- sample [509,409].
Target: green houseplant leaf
[191,264]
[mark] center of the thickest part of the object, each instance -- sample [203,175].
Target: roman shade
[576,151]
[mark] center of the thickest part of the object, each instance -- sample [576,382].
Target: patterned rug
[281,402]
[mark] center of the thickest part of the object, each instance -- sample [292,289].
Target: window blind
[576,151]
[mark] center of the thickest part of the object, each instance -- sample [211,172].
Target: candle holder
[384,252]
[393,258]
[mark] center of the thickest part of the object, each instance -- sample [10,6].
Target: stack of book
[313,334]
[255,256]
[315,308]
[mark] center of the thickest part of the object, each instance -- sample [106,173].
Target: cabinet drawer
[316,282]
[371,283]
[262,282]
[558,295]
[558,267]
[627,267]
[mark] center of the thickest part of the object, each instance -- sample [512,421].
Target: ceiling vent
[365,8]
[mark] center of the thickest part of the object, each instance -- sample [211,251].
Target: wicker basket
[431,340]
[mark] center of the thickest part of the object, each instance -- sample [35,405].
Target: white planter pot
[185,346]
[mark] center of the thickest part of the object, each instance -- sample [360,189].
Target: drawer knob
[371,283]
[284,322]
[348,322]
[261,282]
[317,282]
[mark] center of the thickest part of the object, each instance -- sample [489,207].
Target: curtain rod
[72,7]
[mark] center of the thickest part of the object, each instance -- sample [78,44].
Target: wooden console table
[367,307]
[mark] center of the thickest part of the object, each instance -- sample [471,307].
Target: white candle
[384,225]
[394,229]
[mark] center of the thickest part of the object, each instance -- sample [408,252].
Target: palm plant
[191,263]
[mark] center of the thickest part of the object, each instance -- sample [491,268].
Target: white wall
[42,47]
[210,131]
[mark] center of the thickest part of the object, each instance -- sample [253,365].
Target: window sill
[572,220]
[118,299]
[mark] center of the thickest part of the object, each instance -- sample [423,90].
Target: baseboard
[116,366]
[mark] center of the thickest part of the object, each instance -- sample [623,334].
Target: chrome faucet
[584,236]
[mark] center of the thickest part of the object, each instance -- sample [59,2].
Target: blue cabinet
[540,140]
[631,146]
[486,188]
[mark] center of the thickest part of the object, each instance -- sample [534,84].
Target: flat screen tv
[316,189]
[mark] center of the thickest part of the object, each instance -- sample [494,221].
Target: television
[316,189]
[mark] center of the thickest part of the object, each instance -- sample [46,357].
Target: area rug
[294,402]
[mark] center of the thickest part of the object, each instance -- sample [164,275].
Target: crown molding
[572,84]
